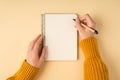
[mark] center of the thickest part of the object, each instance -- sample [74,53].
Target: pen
[89,28]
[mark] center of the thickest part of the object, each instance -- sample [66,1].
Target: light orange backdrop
[20,22]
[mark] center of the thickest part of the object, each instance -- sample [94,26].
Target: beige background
[20,22]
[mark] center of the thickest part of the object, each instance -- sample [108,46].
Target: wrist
[85,35]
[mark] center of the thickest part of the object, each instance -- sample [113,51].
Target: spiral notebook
[60,36]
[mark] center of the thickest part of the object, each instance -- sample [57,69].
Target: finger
[87,20]
[31,45]
[86,16]
[84,19]
[78,24]
[36,38]
[38,43]
[89,17]
[42,57]
[92,23]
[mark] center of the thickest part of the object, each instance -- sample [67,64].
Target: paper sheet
[60,36]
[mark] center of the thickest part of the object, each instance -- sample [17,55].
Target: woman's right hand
[83,32]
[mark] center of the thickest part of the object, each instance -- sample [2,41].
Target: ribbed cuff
[89,47]
[26,72]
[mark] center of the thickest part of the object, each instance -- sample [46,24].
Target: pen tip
[74,19]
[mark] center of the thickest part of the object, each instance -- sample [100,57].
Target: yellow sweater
[94,68]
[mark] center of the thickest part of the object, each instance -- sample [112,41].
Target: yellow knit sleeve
[26,72]
[94,68]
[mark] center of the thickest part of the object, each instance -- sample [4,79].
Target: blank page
[60,36]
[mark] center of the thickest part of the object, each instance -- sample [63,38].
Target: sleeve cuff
[89,47]
[26,72]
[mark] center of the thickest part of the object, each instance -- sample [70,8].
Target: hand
[83,32]
[33,57]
